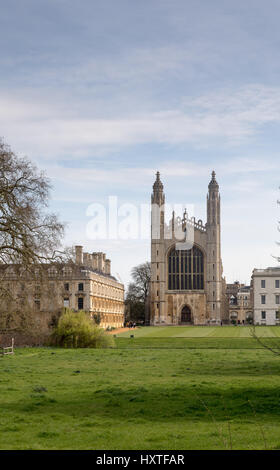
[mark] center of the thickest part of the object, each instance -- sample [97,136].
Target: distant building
[266,296]
[86,284]
[240,303]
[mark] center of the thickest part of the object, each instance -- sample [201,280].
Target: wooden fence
[8,349]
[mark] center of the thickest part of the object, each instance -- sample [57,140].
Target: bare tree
[28,233]
[278,228]
[137,293]
[30,236]
[278,243]
[272,344]
[141,276]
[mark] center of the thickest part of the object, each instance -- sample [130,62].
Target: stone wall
[32,330]
[23,339]
[195,300]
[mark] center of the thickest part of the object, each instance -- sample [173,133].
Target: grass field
[201,332]
[198,395]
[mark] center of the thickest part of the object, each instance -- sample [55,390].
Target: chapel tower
[157,253]
[213,251]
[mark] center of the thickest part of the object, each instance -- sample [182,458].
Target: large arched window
[185,269]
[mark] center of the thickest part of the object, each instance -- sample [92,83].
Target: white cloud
[81,177]
[50,131]
[236,166]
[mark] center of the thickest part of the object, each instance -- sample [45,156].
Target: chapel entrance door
[186,316]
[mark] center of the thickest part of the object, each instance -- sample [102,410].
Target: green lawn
[201,332]
[188,393]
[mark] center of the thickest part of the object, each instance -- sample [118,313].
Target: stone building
[86,284]
[240,301]
[266,296]
[187,284]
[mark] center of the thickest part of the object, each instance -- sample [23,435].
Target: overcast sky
[102,94]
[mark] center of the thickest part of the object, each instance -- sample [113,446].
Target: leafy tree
[78,330]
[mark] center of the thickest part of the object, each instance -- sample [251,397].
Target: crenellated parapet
[182,224]
[196,224]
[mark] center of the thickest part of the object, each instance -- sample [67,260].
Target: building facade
[266,296]
[240,301]
[187,284]
[86,284]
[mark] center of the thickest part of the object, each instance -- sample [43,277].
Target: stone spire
[213,183]
[158,194]
[213,201]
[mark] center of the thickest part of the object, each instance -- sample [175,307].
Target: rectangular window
[37,304]
[277,283]
[277,314]
[263,299]
[66,302]
[194,282]
[81,286]
[66,286]
[262,283]
[80,303]
[263,315]
[277,298]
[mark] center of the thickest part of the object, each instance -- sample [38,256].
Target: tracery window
[186,269]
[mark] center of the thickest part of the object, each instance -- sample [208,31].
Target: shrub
[110,328]
[77,330]
[97,318]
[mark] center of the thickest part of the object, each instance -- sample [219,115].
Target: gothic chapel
[187,286]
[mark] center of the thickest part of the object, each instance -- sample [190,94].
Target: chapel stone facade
[187,284]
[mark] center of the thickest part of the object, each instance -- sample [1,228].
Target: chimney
[94,260]
[101,262]
[79,254]
[108,266]
[90,260]
[87,260]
